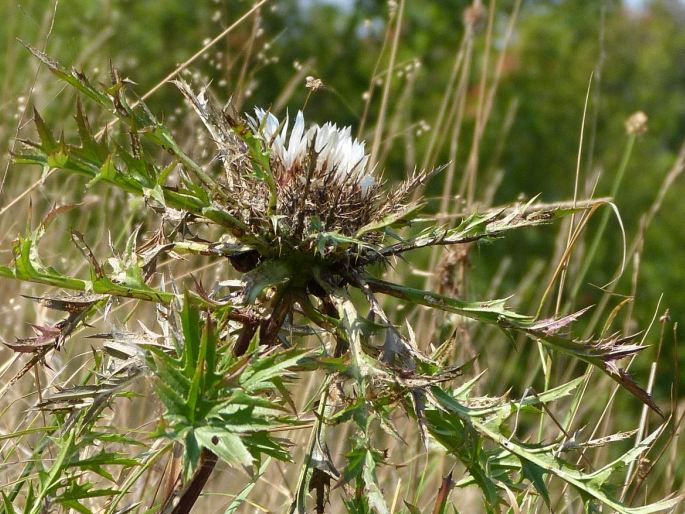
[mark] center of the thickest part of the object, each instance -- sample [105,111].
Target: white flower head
[339,156]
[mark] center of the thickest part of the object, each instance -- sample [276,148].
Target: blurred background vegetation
[632,50]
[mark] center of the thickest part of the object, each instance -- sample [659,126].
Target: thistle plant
[308,226]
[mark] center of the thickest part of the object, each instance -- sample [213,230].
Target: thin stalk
[240,86]
[20,122]
[378,133]
[469,183]
[428,159]
[603,221]
[671,442]
[315,445]
[572,225]
[676,170]
[372,83]
[642,427]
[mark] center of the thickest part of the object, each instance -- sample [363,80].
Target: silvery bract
[337,153]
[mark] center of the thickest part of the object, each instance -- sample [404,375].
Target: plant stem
[282,306]
[244,338]
[191,492]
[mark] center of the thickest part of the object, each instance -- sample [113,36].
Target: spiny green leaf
[47,140]
[395,219]
[535,475]
[263,369]
[174,402]
[247,419]
[458,437]
[91,147]
[105,458]
[270,273]
[488,225]
[600,354]
[372,489]
[601,475]
[227,445]
[545,460]
[79,491]
[50,480]
[197,386]
[487,311]
[190,320]
[261,442]
[169,371]
[76,79]
[30,268]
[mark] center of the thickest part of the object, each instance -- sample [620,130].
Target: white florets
[337,152]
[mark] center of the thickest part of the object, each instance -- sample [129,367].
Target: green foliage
[305,303]
[70,479]
[205,408]
[461,430]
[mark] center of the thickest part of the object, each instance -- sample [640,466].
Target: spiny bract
[295,184]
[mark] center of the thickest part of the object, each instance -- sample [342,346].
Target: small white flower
[339,155]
